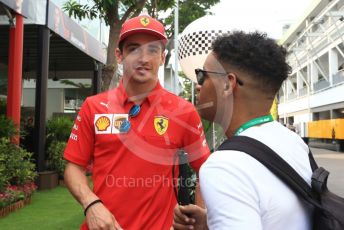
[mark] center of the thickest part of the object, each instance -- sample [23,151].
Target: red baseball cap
[143,24]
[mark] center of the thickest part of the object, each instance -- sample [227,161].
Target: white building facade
[314,91]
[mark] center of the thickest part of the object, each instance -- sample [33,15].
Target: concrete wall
[55,102]
[28,98]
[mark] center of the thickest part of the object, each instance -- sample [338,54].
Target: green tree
[115,13]
[187,87]
[213,132]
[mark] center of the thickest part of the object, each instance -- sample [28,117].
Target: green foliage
[16,166]
[59,128]
[27,134]
[58,131]
[3,175]
[78,85]
[8,128]
[188,12]
[187,89]
[192,181]
[79,11]
[155,7]
[2,106]
[214,134]
[112,11]
[55,157]
[9,155]
[13,193]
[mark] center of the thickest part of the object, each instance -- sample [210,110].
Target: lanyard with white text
[254,122]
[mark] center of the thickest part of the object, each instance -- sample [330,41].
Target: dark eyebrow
[150,45]
[132,45]
[154,45]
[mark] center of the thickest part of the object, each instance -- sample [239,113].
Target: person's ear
[226,86]
[119,56]
[229,84]
[227,89]
[163,57]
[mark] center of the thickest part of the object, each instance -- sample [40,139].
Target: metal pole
[176,26]
[214,137]
[43,45]
[171,78]
[15,73]
[96,78]
[192,92]
[41,94]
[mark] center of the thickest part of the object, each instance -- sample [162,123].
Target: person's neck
[137,91]
[241,118]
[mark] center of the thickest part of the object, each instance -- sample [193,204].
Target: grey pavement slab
[334,163]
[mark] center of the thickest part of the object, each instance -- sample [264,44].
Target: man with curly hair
[240,79]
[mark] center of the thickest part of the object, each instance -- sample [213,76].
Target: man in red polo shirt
[131,135]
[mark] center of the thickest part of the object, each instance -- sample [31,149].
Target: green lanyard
[254,122]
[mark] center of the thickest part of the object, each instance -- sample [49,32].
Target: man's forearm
[77,183]
[198,196]
[200,202]
[97,215]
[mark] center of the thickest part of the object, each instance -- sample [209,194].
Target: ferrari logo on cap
[160,124]
[144,21]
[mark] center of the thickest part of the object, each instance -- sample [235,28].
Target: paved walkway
[334,163]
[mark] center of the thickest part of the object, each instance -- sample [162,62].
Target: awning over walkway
[49,42]
[72,48]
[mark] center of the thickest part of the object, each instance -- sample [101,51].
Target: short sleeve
[194,142]
[229,195]
[80,145]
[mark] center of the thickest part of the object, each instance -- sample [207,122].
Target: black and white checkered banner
[194,46]
[197,43]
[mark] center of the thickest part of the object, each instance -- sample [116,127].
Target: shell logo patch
[144,21]
[160,124]
[102,123]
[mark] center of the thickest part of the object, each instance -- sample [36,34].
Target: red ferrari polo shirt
[132,171]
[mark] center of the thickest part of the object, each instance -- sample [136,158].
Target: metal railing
[338,77]
[319,85]
[291,96]
[303,91]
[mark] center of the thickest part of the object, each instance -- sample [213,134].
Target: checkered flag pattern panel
[197,43]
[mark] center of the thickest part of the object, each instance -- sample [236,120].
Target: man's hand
[190,217]
[98,217]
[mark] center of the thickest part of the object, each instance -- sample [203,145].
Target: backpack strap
[319,177]
[314,165]
[274,163]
